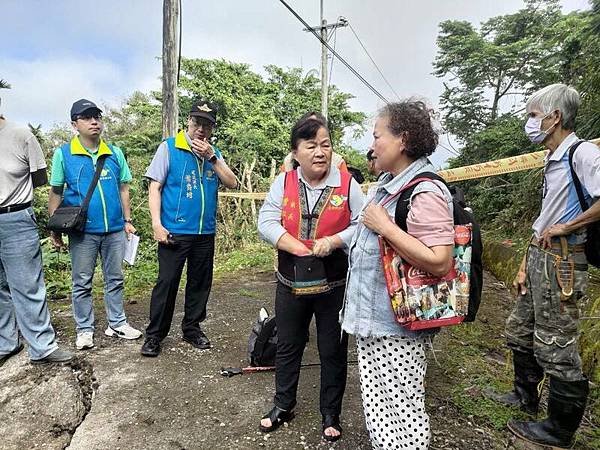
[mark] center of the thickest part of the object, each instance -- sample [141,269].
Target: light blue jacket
[367,310]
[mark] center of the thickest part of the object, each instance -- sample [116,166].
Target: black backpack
[592,244]
[462,216]
[262,343]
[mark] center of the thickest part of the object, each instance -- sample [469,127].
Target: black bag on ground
[592,244]
[262,343]
[67,219]
[462,216]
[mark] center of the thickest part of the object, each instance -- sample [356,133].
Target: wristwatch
[127,220]
[213,158]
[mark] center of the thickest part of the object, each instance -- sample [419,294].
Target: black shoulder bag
[69,219]
[592,244]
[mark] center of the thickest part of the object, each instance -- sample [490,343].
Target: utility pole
[324,93]
[169,68]
[322,28]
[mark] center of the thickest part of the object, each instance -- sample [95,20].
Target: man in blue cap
[23,304]
[184,179]
[108,220]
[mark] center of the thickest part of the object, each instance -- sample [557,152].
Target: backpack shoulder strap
[406,192]
[576,182]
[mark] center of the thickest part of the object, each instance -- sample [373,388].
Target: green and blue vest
[105,212]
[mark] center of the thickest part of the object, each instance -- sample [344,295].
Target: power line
[373,61]
[337,55]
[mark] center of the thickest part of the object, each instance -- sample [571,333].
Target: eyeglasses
[88,117]
[200,122]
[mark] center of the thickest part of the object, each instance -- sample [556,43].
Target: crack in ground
[88,384]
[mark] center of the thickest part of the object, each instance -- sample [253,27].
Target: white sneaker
[84,340]
[124,332]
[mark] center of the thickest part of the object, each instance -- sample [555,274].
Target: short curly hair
[413,120]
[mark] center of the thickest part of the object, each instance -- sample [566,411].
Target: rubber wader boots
[566,405]
[525,395]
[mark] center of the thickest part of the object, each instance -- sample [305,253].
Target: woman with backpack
[392,360]
[309,215]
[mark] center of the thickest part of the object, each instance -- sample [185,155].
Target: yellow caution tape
[245,195]
[497,167]
[518,163]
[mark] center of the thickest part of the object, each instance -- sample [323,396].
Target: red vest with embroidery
[330,215]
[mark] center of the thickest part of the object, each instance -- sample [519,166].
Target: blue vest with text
[189,195]
[105,213]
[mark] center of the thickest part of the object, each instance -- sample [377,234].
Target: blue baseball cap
[81,106]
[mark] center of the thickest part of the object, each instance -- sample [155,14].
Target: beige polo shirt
[20,155]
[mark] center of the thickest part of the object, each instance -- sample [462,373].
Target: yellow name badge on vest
[337,200]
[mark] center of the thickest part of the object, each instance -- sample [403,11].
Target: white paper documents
[131,248]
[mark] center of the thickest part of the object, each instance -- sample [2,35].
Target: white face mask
[533,129]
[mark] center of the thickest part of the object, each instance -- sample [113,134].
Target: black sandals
[277,416]
[333,421]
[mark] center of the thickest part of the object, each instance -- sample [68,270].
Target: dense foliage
[488,73]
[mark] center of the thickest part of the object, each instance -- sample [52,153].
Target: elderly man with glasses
[185,175]
[108,220]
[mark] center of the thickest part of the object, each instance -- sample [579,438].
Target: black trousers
[293,316]
[198,251]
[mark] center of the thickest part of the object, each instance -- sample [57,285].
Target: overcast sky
[54,52]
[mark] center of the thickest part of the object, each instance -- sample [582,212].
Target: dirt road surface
[112,398]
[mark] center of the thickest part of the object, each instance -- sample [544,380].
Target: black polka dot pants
[392,371]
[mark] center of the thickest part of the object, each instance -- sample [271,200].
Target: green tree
[136,126]
[36,130]
[256,113]
[255,116]
[581,37]
[508,56]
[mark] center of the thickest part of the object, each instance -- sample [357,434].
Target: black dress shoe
[200,341]
[4,358]
[151,347]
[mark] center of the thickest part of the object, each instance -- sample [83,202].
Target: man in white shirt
[22,290]
[542,330]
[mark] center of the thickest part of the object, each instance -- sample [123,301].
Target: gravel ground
[180,401]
